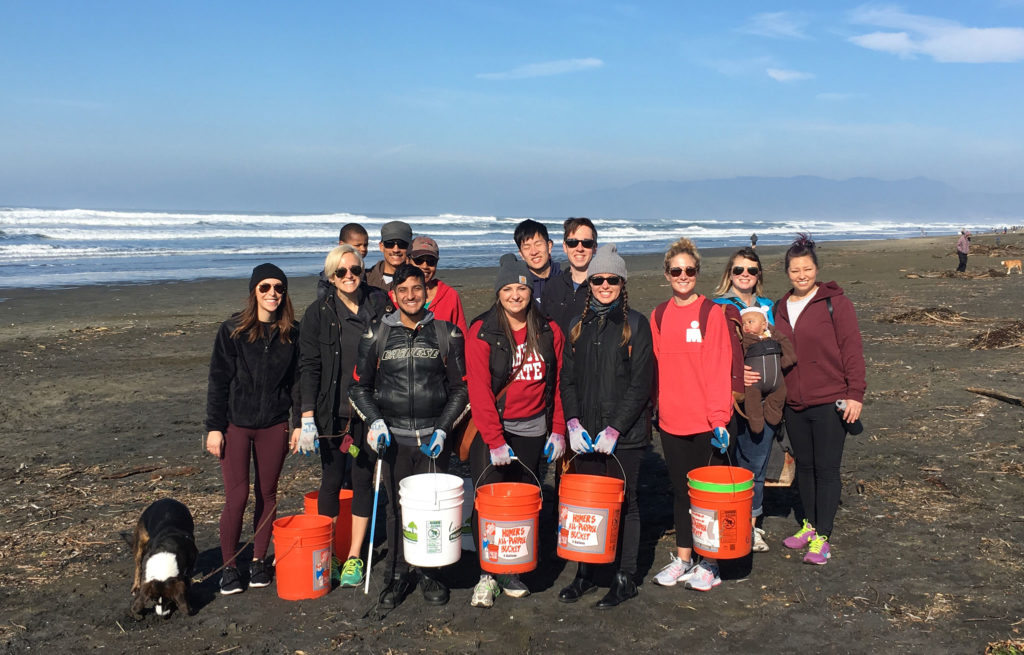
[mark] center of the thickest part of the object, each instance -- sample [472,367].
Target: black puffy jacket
[607,384]
[328,353]
[252,385]
[406,381]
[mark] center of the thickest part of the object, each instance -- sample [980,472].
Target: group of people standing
[384,366]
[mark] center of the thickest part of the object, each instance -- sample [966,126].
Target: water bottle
[851,428]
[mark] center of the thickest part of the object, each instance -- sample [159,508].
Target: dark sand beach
[104,399]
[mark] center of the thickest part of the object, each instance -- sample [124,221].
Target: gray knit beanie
[512,271]
[607,260]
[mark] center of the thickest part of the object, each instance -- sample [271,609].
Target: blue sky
[476,106]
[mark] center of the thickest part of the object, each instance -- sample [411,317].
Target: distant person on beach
[395,237]
[694,351]
[513,357]
[535,247]
[742,287]
[820,322]
[963,245]
[607,373]
[409,386]
[331,330]
[354,235]
[442,300]
[565,295]
[753,240]
[253,388]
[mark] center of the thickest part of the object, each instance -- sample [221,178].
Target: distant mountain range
[802,197]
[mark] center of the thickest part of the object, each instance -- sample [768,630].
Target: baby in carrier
[766,354]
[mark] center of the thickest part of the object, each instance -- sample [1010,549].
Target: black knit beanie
[266,272]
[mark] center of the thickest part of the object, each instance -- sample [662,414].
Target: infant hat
[755,308]
[607,260]
[266,272]
[512,271]
[396,230]
[423,246]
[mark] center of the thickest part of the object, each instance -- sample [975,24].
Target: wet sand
[104,399]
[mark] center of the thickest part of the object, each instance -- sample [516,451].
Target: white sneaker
[704,577]
[676,571]
[485,592]
[760,545]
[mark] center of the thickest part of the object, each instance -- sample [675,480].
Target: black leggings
[629,535]
[336,466]
[682,455]
[818,437]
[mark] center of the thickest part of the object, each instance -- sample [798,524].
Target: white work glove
[502,455]
[309,438]
[379,436]
[435,446]
[579,439]
[555,447]
[606,440]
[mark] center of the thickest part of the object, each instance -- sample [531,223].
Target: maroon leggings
[268,448]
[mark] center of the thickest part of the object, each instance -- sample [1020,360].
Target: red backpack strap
[705,312]
[659,313]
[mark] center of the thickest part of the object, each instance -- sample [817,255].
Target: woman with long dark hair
[513,359]
[607,371]
[253,386]
[820,322]
[741,287]
[331,330]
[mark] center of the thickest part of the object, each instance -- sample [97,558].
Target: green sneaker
[352,572]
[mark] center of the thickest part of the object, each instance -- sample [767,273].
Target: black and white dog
[165,552]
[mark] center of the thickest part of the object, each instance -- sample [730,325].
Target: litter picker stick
[373,522]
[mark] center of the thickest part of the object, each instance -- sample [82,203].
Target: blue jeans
[752,451]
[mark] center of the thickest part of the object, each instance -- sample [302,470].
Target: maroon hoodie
[829,353]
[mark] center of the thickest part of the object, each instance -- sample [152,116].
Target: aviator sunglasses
[587,243]
[341,271]
[752,270]
[400,243]
[676,271]
[265,287]
[613,280]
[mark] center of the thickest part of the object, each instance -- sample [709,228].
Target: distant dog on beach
[165,552]
[1011,264]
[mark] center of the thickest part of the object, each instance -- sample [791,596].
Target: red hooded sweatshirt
[446,306]
[829,352]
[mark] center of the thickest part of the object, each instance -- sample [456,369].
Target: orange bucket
[302,548]
[343,526]
[589,507]
[508,516]
[720,502]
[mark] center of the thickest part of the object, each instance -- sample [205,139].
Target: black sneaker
[259,574]
[396,591]
[230,581]
[434,591]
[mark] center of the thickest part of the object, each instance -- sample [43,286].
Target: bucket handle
[575,455]
[476,483]
[732,465]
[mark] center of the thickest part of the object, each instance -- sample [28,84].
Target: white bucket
[431,519]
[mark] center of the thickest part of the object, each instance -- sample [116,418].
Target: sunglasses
[738,270]
[586,243]
[341,271]
[396,243]
[266,286]
[429,260]
[613,280]
[691,271]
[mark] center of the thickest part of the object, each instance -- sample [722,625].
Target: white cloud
[776,25]
[943,40]
[545,69]
[783,75]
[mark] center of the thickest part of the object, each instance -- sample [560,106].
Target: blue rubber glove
[502,455]
[309,438]
[720,440]
[379,436]
[555,447]
[606,440]
[436,445]
[579,440]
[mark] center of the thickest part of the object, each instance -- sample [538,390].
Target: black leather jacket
[607,384]
[329,347]
[252,385]
[406,382]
